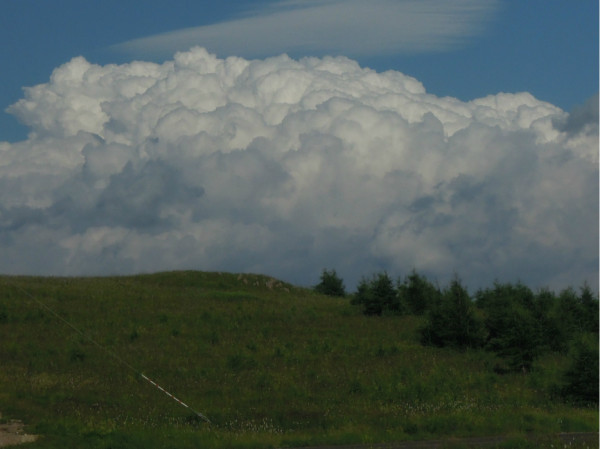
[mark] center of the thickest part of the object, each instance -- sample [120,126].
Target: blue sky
[546,47]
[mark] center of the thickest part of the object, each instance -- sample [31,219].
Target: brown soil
[11,433]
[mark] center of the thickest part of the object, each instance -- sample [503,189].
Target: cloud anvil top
[284,166]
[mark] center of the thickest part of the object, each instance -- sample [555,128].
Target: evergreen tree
[566,314]
[588,304]
[418,293]
[385,293]
[365,297]
[512,324]
[549,334]
[581,379]
[377,295]
[331,284]
[453,321]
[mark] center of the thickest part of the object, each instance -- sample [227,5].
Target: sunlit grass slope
[270,364]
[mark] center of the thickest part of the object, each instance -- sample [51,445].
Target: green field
[270,364]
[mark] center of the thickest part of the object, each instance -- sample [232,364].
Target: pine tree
[418,293]
[512,323]
[453,321]
[331,284]
[581,379]
[378,296]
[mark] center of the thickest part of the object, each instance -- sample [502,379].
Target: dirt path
[566,438]
[11,433]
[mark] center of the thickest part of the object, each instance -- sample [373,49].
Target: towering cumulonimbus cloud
[285,167]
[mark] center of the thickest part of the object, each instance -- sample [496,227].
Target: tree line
[509,319]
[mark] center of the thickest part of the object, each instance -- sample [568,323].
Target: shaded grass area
[270,364]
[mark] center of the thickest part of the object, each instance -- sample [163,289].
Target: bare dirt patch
[12,433]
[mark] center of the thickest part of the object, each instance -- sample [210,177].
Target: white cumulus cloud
[286,166]
[350,27]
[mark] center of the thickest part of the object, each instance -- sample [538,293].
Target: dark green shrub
[331,284]
[77,355]
[134,335]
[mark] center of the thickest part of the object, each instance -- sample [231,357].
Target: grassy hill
[270,364]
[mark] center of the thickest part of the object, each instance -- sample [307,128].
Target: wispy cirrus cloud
[352,28]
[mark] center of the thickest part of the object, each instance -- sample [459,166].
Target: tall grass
[270,364]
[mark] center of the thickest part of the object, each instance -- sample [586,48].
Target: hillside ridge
[270,364]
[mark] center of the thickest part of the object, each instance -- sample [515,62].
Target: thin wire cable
[109,352]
